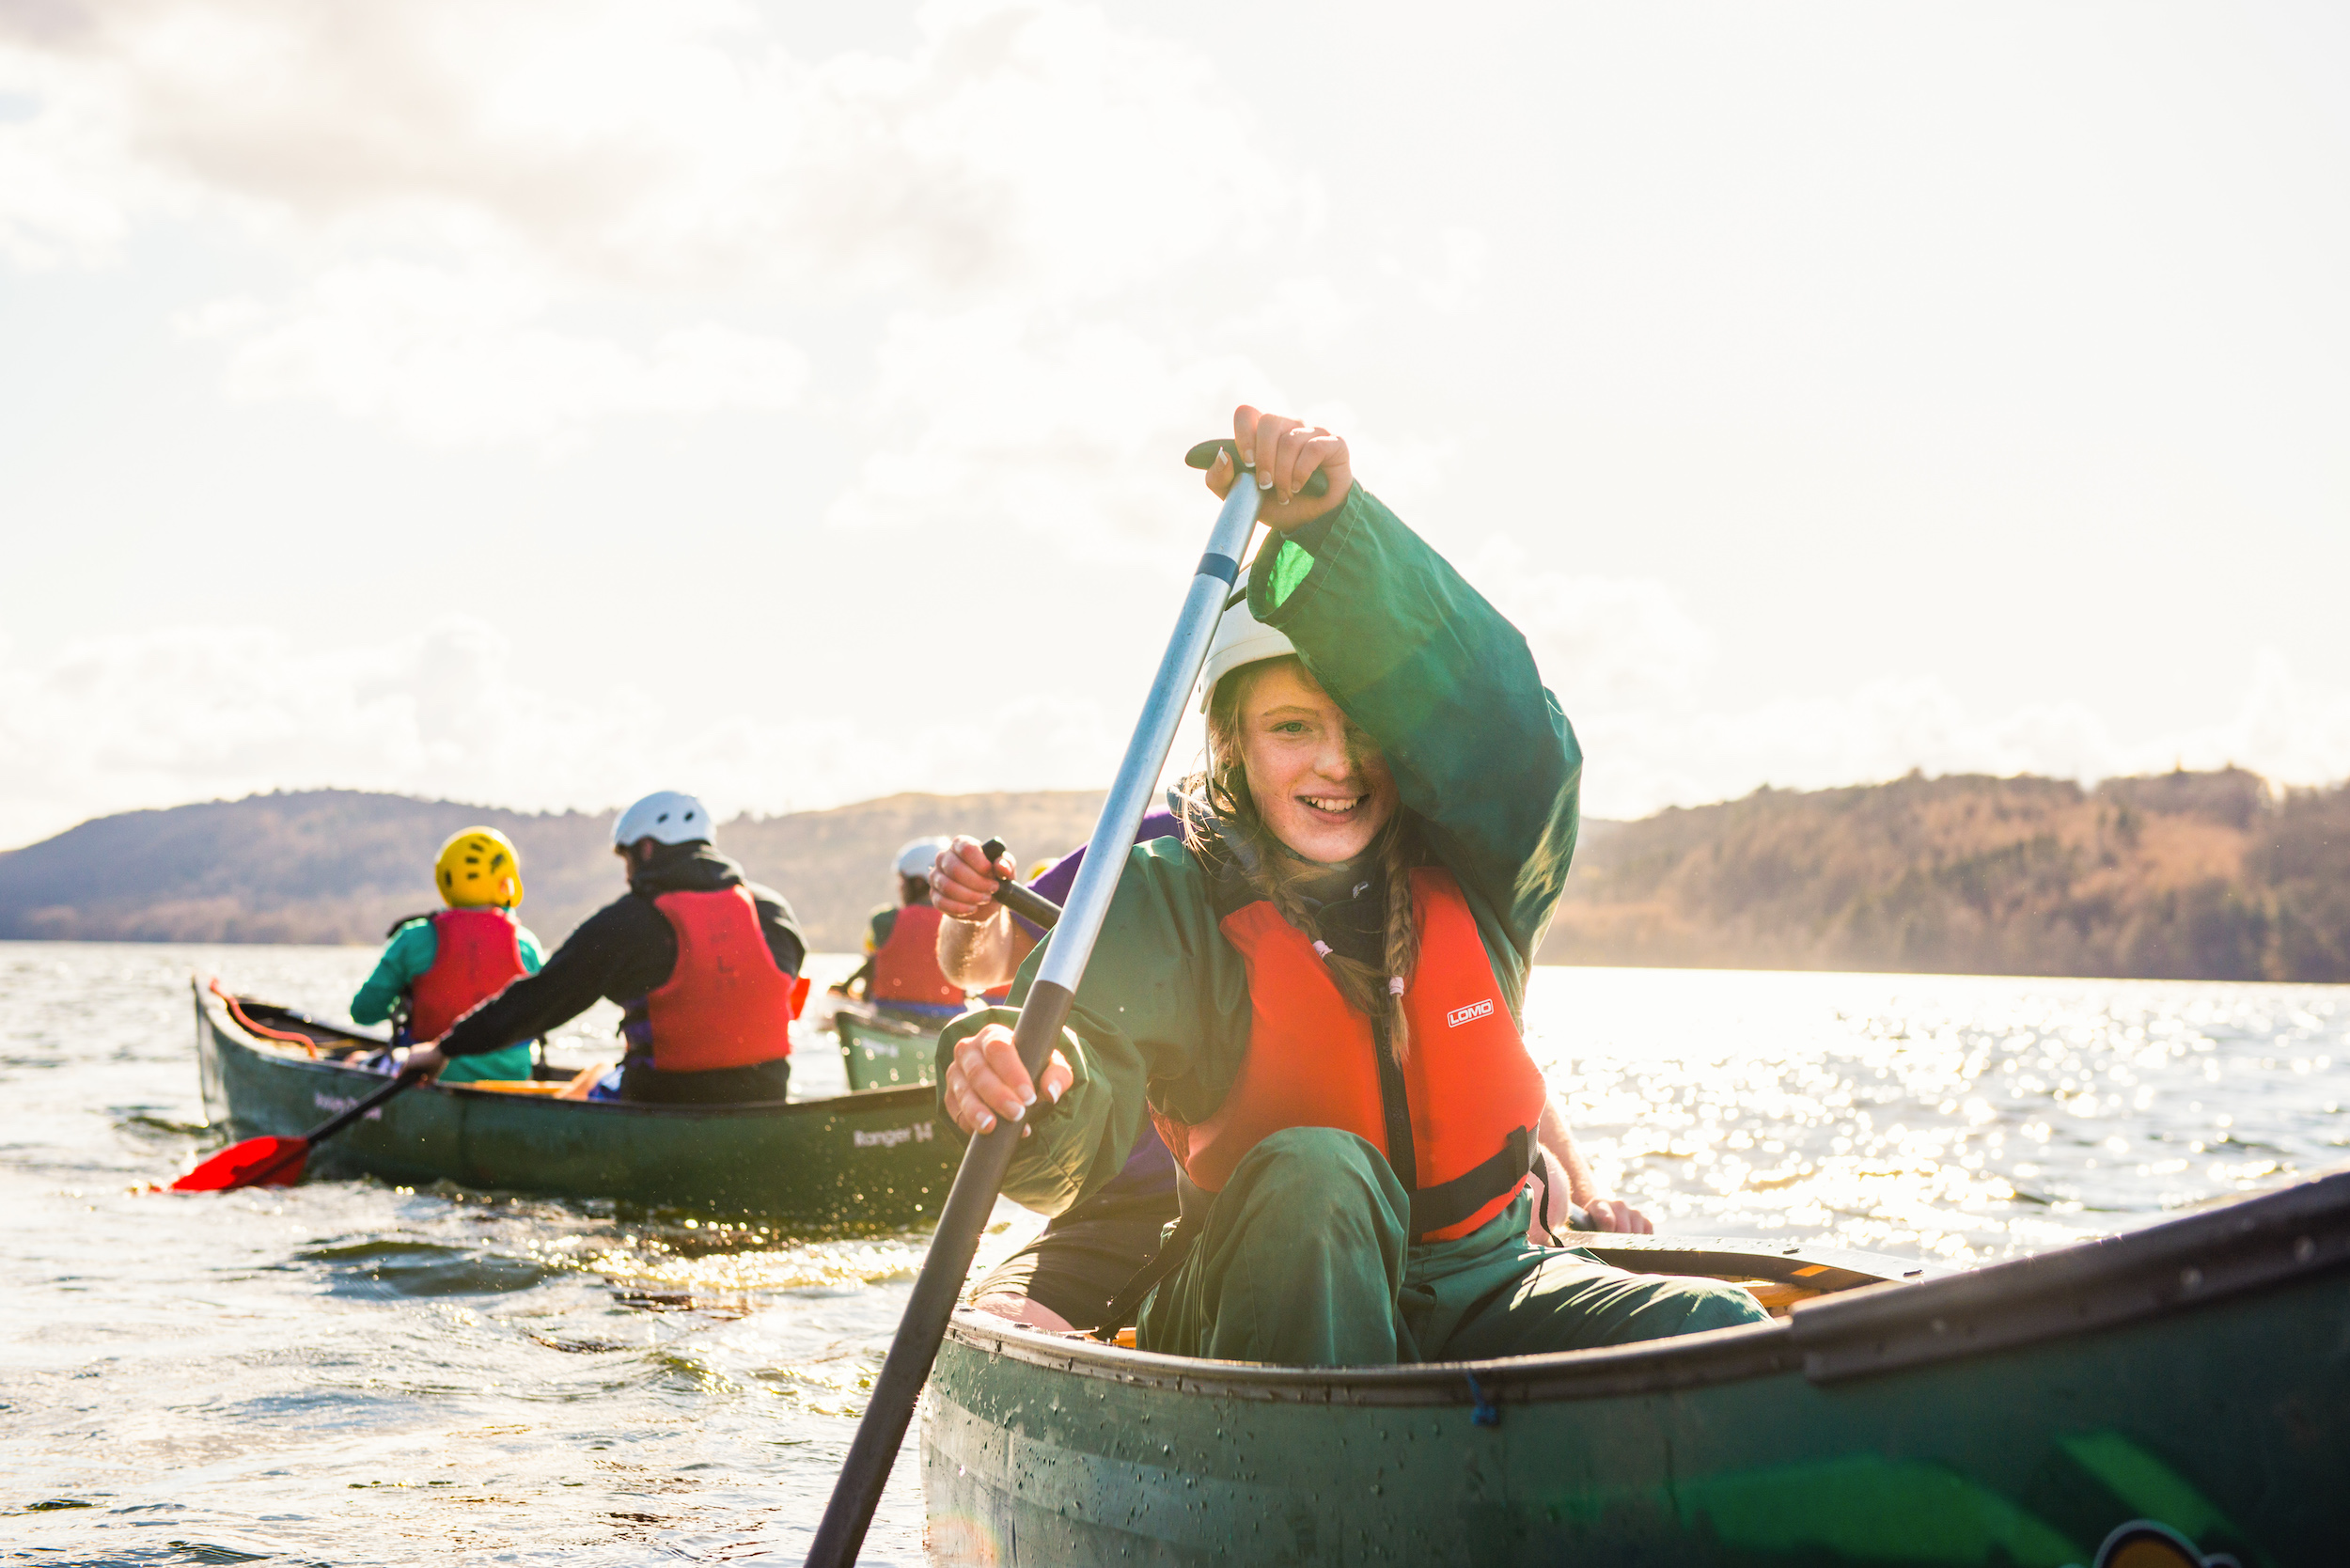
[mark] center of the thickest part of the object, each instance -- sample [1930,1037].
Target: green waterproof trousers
[1306,1261]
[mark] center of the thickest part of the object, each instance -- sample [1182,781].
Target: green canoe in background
[883,1053]
[855,1160]
[2138,1401]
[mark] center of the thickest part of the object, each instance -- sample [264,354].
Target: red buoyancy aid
[1475,1096]
[476,954]
[726,1003]
[905,967]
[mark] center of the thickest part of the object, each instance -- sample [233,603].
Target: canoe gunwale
[1721,1356]
[873,1023]
[864,1039]
[2172,1267]
[277,1055]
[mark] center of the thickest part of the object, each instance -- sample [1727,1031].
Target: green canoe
[865,1160]
[882,1053]
[2188,1382]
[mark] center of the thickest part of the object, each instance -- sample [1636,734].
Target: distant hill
[341,865]
[2183,875]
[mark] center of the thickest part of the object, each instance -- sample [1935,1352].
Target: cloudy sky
[539,404]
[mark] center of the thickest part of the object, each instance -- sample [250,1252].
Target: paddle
[277,1162]
[1028,904]
[972,1199]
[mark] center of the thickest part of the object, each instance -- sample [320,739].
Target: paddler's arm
[1163,1005]
[406,957]
[613,949]
[1447,689]
[1608,1214]
[786,944]
[979,947]
[876,933]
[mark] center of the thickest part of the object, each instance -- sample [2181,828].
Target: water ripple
[352,1373]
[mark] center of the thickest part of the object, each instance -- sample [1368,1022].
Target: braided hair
[1222,825]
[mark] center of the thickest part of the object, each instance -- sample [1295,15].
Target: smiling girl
[1317,993]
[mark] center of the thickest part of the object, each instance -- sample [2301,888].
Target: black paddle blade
[1203,457]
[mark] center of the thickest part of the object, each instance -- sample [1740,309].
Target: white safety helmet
[666,817]
[920,854]
[1240,640]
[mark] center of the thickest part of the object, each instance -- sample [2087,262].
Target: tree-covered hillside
[2183,875]
[341,865]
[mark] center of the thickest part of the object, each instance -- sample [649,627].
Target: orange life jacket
[726,1003]
[1473,1095]
[476,954]
[905,967]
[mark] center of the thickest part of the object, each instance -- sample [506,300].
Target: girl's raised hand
[986,1081]
[1284,453]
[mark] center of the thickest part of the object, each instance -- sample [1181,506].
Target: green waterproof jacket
[1479,749]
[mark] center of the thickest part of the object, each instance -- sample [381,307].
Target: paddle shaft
[1029,905]
[329,1127]
[883,1428]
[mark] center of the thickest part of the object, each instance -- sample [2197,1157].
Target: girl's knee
[1715,1305]
[1315,1178]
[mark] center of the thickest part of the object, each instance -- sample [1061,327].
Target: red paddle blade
[269,1162]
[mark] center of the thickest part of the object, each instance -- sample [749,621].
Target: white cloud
[1023,185]
[1020,141]
[1629,664]
[1601,643]
[1019,256]
[1640,759]
[1454,284]
[117,723]
[463,358]
[1010,417]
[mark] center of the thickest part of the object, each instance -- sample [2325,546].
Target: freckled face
[1323,787]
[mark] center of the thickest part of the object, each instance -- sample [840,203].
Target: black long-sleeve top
[620,952]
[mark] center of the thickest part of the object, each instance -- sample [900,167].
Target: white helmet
[1240,640]
[920,854]
[666,817]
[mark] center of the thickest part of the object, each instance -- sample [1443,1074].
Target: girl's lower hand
[426,1060]
[1613,1214]
[1285,453]
[986,1083]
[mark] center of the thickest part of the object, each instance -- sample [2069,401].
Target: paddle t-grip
[1029,905]
[1203,457]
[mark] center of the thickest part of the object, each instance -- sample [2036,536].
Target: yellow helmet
[479,869]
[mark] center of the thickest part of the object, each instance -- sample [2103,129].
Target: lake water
[348,1374]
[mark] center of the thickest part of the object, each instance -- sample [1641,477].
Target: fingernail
[987,1124]
[1028,1094]
[1249,458]
[1055,1092]
[1018,1111]
[1264,482]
